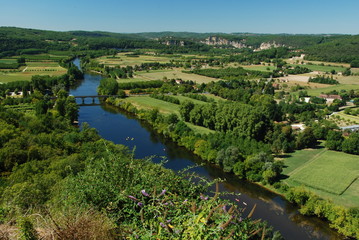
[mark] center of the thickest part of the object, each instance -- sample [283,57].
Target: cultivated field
[320,68]
[318,91]
[32,68]
[330,174]
[125,59]
[39,64]
[348,79]
[318,63]
[346,119]
[259,68]
[174,74]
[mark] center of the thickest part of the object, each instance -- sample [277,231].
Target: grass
[329,174]
[8,61]
[318,91]
[347,117]
[348,80]
[259,68]
[146,102]
[345,65]
[174,74]
[33,68]
[321,68]
[183,98]
[123,60]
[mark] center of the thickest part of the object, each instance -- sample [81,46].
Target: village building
[330,97]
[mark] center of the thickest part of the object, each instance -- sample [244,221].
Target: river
[122,128]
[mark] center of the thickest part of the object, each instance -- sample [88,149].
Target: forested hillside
[341,50]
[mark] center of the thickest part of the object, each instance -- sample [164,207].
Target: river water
[122,128]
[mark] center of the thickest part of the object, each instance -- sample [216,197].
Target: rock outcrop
[214,40]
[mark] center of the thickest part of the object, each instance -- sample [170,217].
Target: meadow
[329,174]
[174,74]
[126,59]
[32,68]
[262,68]
[318,91]
[320,68]
[147,103]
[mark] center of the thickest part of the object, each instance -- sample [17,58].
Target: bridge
[89,96]
[93,97]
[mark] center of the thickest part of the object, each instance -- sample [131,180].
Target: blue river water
[122,128]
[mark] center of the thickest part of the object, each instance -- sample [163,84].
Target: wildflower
[185,201]
[245,203]
[203,197]
[162,193]
[144,193]
[139,204]
[133,198]
[162,224]
[224,208]
[170,226]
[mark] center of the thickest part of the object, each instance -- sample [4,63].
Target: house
[179,81]
[300,127]
[330,97]
[275,85]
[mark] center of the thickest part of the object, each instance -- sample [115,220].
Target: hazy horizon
[230,16]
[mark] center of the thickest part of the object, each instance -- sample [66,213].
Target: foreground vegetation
[233,110]
[108,193]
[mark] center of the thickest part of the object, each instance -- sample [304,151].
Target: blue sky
[258,16]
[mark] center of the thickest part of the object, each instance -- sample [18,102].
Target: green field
[348,80]
[329,174]
[259,68]
[32,68]
[146,102]
[174,74]
[347,117]
[8,61]
[318,91]
[183,98]
[320,68]
[123,59]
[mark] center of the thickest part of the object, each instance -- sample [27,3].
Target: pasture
[329,174]
[321,68]
[125,59]
[174,74]
[146,103]
[318,91]
[348,79]
[262,68]
[32,68]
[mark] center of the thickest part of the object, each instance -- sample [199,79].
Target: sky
[131,16]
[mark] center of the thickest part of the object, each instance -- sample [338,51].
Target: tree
[71,109]
[334,140]
[108,86]
[185,109]
[351,144]
[306,139]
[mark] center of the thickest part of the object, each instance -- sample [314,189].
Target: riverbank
[341,219]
